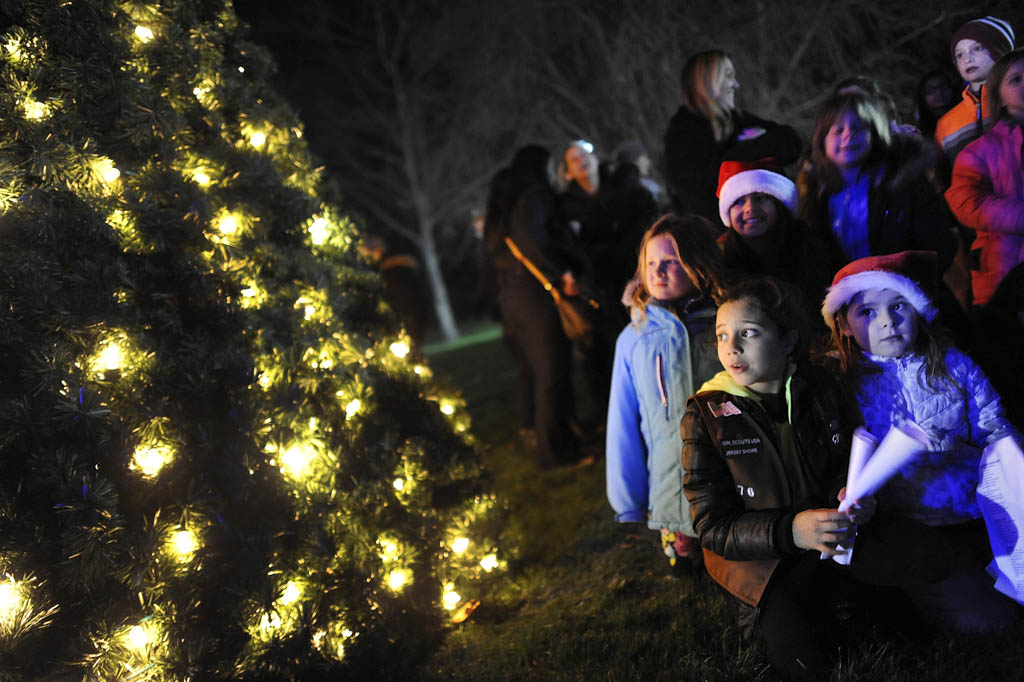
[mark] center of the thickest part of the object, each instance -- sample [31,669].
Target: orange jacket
[962,124]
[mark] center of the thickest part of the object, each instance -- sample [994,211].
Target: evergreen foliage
[218,456]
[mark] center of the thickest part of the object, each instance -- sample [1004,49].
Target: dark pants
[796,618]
[941,569]
[529,314]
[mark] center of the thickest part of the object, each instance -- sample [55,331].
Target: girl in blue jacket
[661,357]
[928,537]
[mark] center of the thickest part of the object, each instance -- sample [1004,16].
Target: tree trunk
[442,304]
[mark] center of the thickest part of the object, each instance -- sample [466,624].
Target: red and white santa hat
[737,179]
[909,273]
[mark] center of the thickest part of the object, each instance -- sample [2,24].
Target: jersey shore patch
[726,409]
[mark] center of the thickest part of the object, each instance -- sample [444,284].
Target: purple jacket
[987,194]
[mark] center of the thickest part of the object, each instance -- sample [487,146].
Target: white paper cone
[900,445]
[862,446]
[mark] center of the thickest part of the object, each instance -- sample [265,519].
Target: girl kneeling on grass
[928,537]
[660,358]
[765,448]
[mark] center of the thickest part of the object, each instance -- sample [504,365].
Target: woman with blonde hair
[709,128]
[660,358]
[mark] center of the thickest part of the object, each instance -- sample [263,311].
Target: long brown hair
[868,110]
[695,246]
[701,78]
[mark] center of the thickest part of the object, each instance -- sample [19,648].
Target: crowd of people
[764,318]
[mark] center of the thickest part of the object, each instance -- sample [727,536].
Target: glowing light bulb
[111,356]
[296,460]
[200,91]
[397,579]
[35,110]
[270,621]
[399,349]
[184,544]
[144,33]
[447,408]
[309,311]
[399,484]
[201,177]
[418,369]
[291,594]
[450,599]
[11,599]
[489,562]
[110,174]
[151,458]
[138,637]
[353,407]
[319,232]
[460,545]
[389,548]
[228,224]
[257,139]
[263,381]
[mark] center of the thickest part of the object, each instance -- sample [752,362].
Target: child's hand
[862,510]
[821,529]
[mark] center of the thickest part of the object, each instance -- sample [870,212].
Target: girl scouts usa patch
[726,409]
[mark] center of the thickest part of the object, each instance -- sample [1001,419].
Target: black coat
[742,497]
[693,156]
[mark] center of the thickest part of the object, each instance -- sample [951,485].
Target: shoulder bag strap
[533,270]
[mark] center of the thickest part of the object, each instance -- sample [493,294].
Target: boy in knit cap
[975,47]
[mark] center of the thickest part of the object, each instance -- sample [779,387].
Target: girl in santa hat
[928,537]
[756,201]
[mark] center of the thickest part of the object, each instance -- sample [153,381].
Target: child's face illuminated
[1011,90]
[882,322]
[753,215]
[665,276]
[973,61]
[751,347]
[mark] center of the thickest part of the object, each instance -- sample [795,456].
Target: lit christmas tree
[218,458]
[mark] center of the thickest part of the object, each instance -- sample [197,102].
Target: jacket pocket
[662,386]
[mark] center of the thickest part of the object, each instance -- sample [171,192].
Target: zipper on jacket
[661,386]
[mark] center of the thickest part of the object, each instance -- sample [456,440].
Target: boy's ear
[791,339]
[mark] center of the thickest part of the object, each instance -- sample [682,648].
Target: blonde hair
[694,244]
[702,77]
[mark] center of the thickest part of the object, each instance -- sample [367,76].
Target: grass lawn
[588,599]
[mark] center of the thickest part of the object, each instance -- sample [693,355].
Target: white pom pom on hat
[909,273]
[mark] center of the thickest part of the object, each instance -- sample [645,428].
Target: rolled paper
[903,442]
[862,445]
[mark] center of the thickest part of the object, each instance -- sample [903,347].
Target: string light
[144,33]
[296,460]
[399,484]
[35,110]
[353,408]
[11,600]
[399,349]
[489,562]
[319,232]
[138,637]
[201,177]
[228,224]
[397,579]
[106,169]
[460,545]
[151,458]
[450,599]
[447,408]
[258,139]
[184,544]
[291,594]
[111,356]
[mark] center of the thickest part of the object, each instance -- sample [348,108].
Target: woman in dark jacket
[528,311]
[708,128]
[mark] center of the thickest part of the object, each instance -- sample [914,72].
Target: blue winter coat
[658,365]
[938,487]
